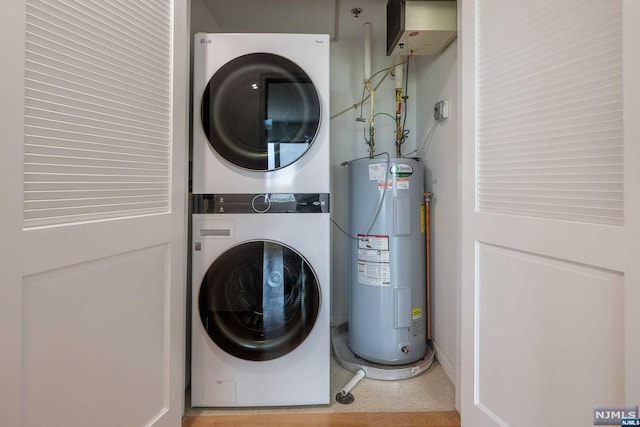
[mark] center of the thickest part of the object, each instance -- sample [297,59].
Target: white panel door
[550,220]
[93,218]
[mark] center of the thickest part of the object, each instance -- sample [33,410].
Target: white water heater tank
[387,302]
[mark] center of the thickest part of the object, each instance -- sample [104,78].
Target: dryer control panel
[261,203]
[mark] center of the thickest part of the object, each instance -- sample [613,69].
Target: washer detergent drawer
[215,229]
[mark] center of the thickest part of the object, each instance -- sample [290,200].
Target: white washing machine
[260,322]
[261,113]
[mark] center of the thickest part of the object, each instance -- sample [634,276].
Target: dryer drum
[259,300]
[260,111]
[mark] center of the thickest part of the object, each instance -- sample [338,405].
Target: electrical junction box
[420,27]
[441,110]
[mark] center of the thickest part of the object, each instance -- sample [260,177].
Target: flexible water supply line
[344,396]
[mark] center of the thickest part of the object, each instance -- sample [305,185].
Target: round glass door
[260,112]
[259,300]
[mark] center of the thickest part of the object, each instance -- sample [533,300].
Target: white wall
[201,22]
[437,80]
[347,142]
[201,19]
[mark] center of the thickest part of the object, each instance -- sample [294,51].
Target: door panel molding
[631,71]
[567,240]
[522,358]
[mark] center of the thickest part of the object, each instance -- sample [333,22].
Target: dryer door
[260,112]
[259,300]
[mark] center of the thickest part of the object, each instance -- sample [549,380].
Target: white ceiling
[300,16]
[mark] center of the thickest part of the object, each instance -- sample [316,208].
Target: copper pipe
[427,243]
[398,121]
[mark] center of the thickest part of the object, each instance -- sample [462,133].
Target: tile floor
[429,391]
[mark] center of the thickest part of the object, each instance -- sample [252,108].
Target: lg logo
[203,41]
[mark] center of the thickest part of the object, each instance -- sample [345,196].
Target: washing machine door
[259,300]
[260,111]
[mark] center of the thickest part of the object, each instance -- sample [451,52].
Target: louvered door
[550,196]
[97,111]
[94,119]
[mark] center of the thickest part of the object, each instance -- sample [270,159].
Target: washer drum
[387,314]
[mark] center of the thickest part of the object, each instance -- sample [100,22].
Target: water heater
[387,302]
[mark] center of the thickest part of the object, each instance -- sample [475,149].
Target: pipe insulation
[367,51]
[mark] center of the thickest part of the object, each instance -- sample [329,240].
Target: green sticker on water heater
[401,170]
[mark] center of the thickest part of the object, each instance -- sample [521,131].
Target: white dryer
[260,113]
[260,323]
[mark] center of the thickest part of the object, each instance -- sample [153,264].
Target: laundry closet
[532,214]
[535,209]
[427,80]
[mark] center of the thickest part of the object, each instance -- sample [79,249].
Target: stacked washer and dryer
[260,247]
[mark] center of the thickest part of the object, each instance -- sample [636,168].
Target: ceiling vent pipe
[367,84]
[367,51]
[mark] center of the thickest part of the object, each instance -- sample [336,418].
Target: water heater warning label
[372,273]
[377,172]
[402,183]
[373,255]
[373,242]
[374,267]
